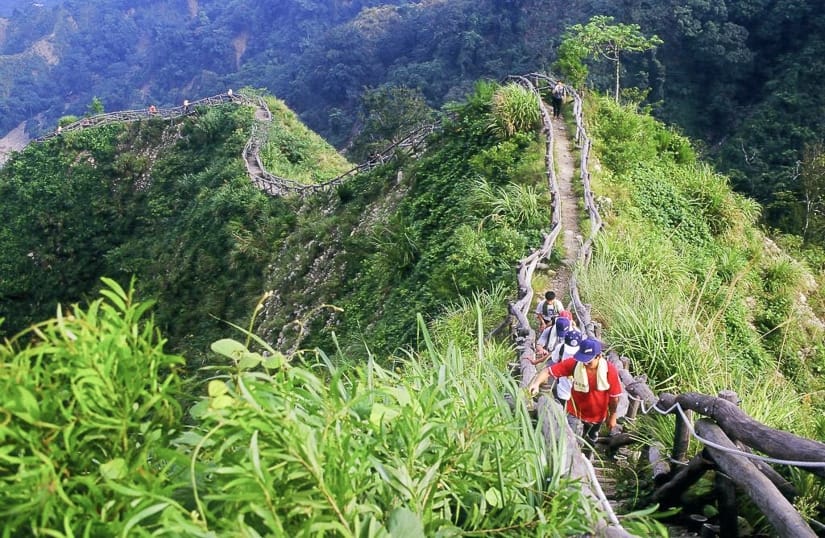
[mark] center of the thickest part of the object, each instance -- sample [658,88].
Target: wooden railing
[411,144]
[730,437]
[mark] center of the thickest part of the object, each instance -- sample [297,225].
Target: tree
[812,184]
[95,107]
[604,40]
[388,114]
[570,62]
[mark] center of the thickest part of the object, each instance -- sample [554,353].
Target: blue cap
[588,348]
[562,324]
[572,338]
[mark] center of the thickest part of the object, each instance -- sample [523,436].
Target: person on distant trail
[547,310]
[153,110]
[186,106]
[596,390]
[558,98]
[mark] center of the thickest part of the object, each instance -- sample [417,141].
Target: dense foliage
[381,258]
[169,203]
[688,286]
[94,441]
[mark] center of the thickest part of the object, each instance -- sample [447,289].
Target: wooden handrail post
[726,503]
[681,436]
[779,512]
[632,409]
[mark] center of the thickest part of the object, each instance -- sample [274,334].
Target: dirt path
[571,236]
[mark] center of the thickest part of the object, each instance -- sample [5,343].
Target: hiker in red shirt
[596,390]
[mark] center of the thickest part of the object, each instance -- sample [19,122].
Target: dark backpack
[547,311]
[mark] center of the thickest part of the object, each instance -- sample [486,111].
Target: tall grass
[291,150]
[515,110]
[513,204]
[433,448]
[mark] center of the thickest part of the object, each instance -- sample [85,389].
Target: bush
[90,405]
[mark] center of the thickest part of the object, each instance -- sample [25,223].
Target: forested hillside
[740,76]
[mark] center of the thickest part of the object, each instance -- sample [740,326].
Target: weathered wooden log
[637,388]
[668,494]
[776,508]
[522,325]
[632,409]
[726,504]
[659,465]
[681,436]
[740,427]
[616,441]
[787,489]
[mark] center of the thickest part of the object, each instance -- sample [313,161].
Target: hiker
[558,98]
[547,310]
[551,337]
[59,129]
[186,106]
[568,348]
[229,92]
[595,394]
[153,110]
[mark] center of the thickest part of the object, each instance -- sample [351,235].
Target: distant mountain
[7,7]
[728,72]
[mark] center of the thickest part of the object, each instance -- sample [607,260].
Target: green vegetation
[317,423]
[94,442]
[169,203]
[385,258]
[602,40]
[290,150]
[743,77]
[689,289]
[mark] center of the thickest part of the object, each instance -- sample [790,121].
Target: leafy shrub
[90,405]
[515,109]
[305,449]
[665,206]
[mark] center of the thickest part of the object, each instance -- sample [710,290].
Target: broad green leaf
[250,360]
[217,388]
[229,348]
[276,360]
[222,401]
[382,414]
[402,395]
[404,523]
[200,409]
[493,497]
[114,469]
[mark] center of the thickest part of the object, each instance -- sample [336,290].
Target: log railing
[412,143]
[730,437]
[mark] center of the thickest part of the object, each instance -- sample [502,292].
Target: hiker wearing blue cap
[596,389]
[565,350]
[550,338]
